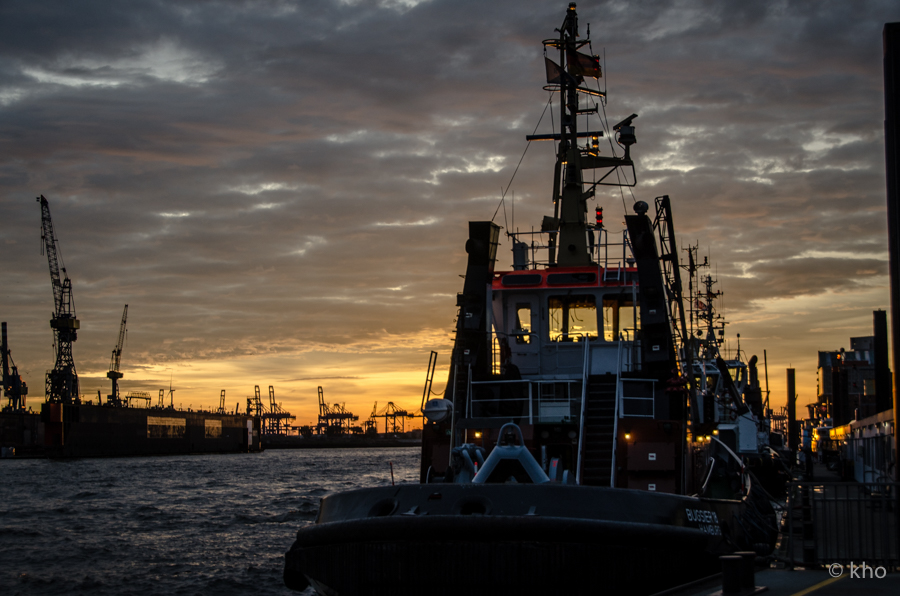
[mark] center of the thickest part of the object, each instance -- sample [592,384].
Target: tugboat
[559,458]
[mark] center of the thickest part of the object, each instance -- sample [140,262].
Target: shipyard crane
[395,416]
[254,404]
[334,420]
[277,420]
[62,381]
[14,388]
[370,425]
[114,375]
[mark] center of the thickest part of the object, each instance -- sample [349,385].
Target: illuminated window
[572,317]
[523,323]
[619,316]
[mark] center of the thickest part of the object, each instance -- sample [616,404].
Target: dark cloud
[280,189]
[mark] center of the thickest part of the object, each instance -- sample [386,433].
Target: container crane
[370,425]
[62,381]
[277,420]
[394,418]
[114,375]
[333,420]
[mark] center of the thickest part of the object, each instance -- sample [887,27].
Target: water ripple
[206,524]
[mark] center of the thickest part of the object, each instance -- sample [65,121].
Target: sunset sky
[279,190]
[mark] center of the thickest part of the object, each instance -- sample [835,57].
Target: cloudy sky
[279,190]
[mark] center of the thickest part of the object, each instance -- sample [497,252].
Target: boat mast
[568,227]
[570,200]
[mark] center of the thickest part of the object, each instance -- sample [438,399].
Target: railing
[843,522]
[636,406]
[584,385]
[612,471]
[516,399]
[599,249]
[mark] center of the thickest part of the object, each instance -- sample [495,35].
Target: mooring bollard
[732,567]
[748,568]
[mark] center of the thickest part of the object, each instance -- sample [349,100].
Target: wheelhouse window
[572,318]
[523,323]
[619,316]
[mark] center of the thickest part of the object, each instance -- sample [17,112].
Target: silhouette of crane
[334,420]
[14,387]
[370,426]
[394,418]
[62,381]
[114,375]
[277,420]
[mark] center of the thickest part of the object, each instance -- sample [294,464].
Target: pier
[837,538]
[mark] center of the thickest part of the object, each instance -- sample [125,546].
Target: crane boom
[114,375]
[117,353]
[62,381]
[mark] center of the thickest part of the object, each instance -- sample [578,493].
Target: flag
[583,64]
[554,72]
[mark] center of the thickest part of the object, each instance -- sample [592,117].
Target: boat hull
[511,539]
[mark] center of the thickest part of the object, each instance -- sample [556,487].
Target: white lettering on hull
[707,521]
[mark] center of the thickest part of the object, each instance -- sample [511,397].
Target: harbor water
[203,524]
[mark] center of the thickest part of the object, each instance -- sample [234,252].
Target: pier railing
[842,523]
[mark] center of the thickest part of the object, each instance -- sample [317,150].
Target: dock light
[716,432]
[708,439]
[477,434]
[627,436]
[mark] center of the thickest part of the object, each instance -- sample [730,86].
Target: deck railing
[525,400]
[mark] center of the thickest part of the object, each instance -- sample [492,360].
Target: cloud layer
[279,190]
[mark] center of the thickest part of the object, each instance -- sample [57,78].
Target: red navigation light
[599,217]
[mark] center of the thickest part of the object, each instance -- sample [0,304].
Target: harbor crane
[254,404]
[394,418]
[370,426]
[277,420]
[14,388]
[334,420]
[114,375]
[62,381]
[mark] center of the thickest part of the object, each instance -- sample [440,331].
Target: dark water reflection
[206,524]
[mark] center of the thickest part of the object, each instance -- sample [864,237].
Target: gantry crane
[254,404]
[394,418]
[334,420]
[14,388]
[277,420]
[370,425]
[62,381]
[114,375]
